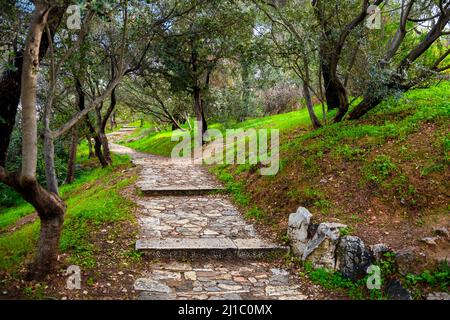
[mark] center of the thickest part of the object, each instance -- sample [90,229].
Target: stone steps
[180,191]
[224,280]
[206,248]
[182,219]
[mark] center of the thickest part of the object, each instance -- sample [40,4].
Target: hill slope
[385,176]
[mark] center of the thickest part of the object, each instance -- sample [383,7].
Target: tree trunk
[112,121]
[91,151]
[51,210]
[331,92]
[309,105]
[95,136]
[49,158]
[48,246]
[98,152]
[245,70]
[11,82]
[367,104]
[105,146]
[48,205]
[201,123]
[73,155]
[186,116]
[343,99]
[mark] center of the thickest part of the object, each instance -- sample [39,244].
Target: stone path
[184,219]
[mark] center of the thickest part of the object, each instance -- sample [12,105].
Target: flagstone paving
[183,219]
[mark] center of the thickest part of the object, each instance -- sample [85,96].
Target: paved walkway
[183,218]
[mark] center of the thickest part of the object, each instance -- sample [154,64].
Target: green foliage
[92,200]
[438,279]
[348,153]
[255,213]
[379,169]
[346,231]
[16,246]
[235,188]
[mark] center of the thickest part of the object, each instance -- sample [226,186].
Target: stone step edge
[208,247]
[181,192]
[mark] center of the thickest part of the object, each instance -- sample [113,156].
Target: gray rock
[438,296]
[395,291]
[441,232]
[379,249]
[405,260]
[321,249]
[430,240]
[146,284]
[298,230]
[353,258]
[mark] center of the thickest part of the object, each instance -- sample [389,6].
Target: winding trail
[203,247]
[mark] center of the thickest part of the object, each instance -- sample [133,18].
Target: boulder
[395,291]
[405,260]
[321,249]
[353,258]
[430,240]
[378,250]
[298,230]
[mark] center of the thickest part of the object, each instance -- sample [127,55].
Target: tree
[189,51]
[294,45]
[49,206]
[404,65]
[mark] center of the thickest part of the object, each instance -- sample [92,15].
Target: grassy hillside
[93,201]
[385,176]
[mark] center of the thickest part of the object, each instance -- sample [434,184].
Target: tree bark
[11,82]
[91,151]
[97,141]
[245,94]
[72,155]
[363,107]
[309,105]
[198,108]
[48,205]
[28,98]
[331,92]
[49,158]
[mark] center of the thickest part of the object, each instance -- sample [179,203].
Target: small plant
[254,212]
[348,153]
[346,231]
[380,169]
[437,279]
[133,255]
[387,264]
[285,239]
[90,281]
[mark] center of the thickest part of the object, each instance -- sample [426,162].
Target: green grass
[156,143]
[160,142]
[92,200]
[11,215]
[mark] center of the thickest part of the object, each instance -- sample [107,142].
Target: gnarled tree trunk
[48,205]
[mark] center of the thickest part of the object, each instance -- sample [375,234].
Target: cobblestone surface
[222,281]
[192,217]
[168,219]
